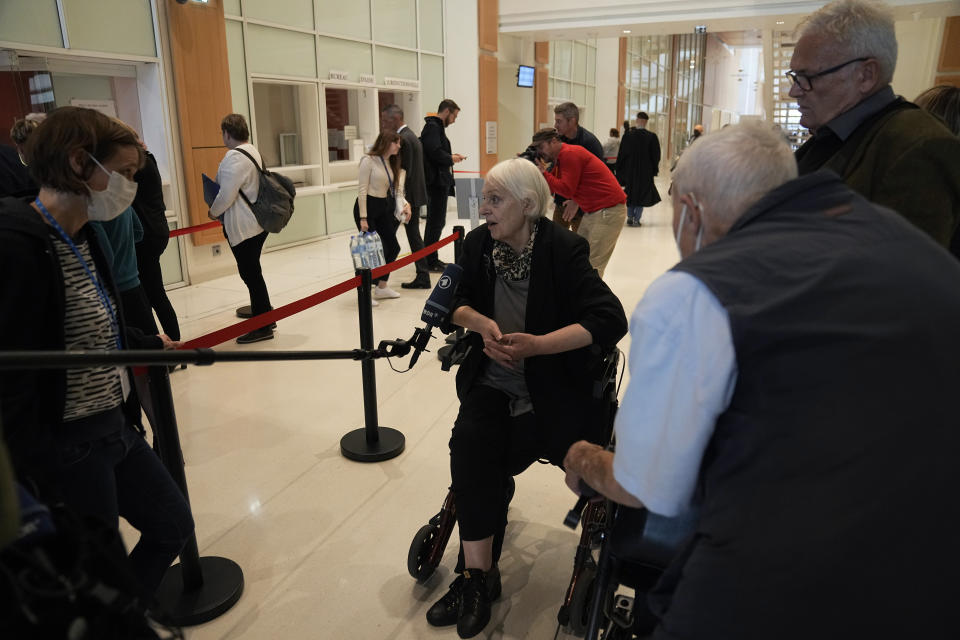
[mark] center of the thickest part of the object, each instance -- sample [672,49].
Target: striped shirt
[87,325]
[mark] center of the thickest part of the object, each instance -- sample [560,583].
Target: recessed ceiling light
[779,21]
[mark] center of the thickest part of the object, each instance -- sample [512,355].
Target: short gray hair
[393,110]
[862,28]
[734,167]
[568,110]
[523,181]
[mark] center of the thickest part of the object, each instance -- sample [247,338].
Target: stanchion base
[221,588]
[244,312]
[389,445]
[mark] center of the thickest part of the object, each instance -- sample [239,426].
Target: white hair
[524,182]
[861,28]
[734,167]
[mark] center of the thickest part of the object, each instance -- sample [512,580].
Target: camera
[530,153]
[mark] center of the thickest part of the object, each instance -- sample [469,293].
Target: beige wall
[918,44]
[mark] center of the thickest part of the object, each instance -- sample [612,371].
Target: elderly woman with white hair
[535,307]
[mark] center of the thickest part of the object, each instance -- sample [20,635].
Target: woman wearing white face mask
[69,436]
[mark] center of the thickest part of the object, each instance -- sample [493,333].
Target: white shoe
[385,293]
[374,303]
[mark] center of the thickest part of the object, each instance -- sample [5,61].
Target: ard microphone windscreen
[438,304]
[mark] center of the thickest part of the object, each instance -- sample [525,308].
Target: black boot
[422,281]
[480,588]
[263,333]
[444,611]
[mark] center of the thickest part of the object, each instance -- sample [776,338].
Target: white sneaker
[374,303]
[384,293]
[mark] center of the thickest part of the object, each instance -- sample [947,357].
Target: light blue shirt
[683,371]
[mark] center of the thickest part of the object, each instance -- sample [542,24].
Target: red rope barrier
[195,228]
[236,330]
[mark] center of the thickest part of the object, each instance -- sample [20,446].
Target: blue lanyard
[389,179]
[104,299]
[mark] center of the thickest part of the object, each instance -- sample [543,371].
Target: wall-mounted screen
[524,76]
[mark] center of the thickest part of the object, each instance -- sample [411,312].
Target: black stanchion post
[198,589]
[373,443]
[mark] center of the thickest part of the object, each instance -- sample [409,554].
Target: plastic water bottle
[369,251]
[356,251]
[378,247]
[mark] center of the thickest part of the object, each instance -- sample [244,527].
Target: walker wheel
[581,599]
[417,565]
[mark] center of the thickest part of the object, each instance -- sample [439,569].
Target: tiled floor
[322,540]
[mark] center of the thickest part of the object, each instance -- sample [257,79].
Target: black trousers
[488,448]
[149,251]
[381,218]
[247,254]
[436,218]
[415,240]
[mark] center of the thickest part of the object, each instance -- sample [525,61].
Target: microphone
[436,309]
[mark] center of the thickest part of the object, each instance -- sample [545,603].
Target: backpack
[274,205]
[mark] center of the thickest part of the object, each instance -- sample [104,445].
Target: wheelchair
[635,547]
[430,541]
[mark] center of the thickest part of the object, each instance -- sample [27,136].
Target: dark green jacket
[906,160]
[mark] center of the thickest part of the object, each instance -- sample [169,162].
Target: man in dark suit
[415,187]
[438,163]
[637,163]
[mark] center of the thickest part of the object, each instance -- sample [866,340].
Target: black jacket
[638,161]
[437,157]
[564,289]
[588,141]
[411,161]
[148,204]
[32,300]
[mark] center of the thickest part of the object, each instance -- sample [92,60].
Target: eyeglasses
[806,81]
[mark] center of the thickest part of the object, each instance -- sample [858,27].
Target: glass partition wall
[312,79]
[664,78]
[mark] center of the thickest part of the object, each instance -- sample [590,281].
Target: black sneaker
[420,282]
[257,335]
[438,266]
[480,588]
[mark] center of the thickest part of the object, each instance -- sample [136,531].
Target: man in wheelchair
[793,377]
[535,307]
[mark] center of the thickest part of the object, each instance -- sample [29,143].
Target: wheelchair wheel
[581,598]
[420,550]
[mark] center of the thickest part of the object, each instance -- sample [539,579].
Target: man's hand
[406,212]
[570,209]
[573,481]
[594,465]
[457,158]
[364,227]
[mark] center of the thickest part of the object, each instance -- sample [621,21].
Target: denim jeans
[634,213]
[120,475]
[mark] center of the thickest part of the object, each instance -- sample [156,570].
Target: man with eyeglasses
[882,146]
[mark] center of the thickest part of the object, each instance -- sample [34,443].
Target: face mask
[111,202]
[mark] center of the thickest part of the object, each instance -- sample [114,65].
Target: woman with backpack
[238,177]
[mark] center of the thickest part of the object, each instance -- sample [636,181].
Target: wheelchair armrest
[455,353]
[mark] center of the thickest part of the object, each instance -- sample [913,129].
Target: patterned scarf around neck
[512,266]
